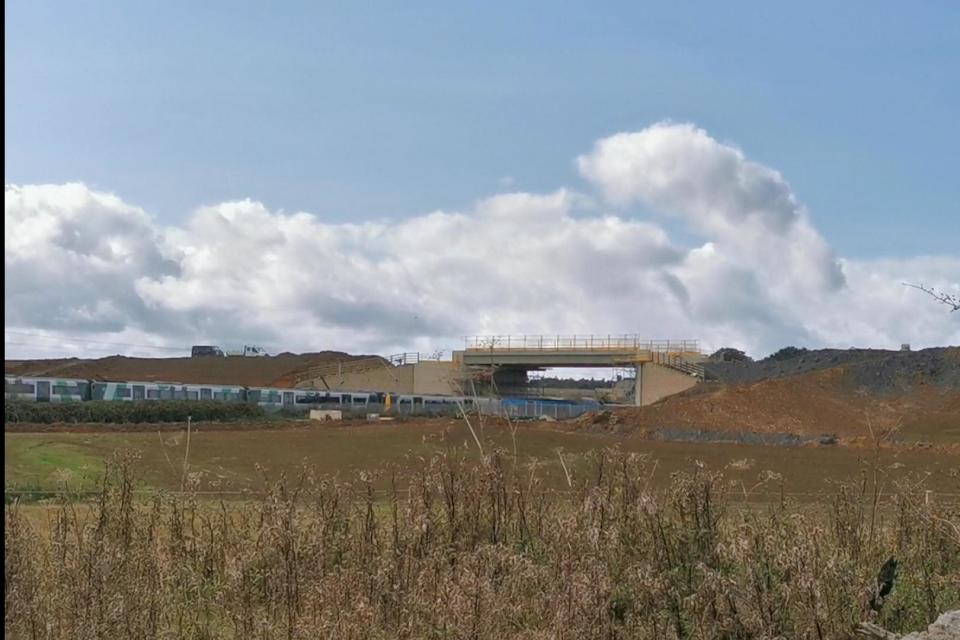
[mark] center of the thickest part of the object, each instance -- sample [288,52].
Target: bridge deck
[573,351]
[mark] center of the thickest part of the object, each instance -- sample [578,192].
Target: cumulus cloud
[82,262]
[71,258]
[748,210]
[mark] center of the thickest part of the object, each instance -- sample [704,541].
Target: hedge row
[15,411]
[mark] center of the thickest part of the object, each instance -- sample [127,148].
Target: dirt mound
[39,367]
[876,370]
[276,371]
[810,404]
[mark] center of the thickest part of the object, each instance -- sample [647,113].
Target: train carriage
[430,404]
[45,389]
[270,398]
[132,391]
[309,398]
[40,389]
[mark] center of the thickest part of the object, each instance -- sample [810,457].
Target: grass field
[241,460]
[421,536]
[476,548]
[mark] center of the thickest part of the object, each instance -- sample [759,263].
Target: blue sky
[481,168]
[357,111]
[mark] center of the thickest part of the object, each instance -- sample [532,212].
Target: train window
[153,394]
[192,395]
[310,398]
[18,387]
[124,392]
[253,395]
[418,400]
[205,394]
[61,389]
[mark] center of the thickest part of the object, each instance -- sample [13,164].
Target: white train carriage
[132,391]
[271,398]
[310,398]
[361,399]
[429,403]
[34,389]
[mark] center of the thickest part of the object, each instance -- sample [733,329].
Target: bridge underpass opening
[602,384]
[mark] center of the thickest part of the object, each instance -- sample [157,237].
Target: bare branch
[950,300]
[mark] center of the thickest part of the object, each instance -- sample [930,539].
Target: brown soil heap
[820,402]
[269,371]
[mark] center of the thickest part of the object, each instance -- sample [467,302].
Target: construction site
[487,366]
[655,386]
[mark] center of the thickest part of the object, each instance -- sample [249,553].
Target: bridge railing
[414,357]
[578,342]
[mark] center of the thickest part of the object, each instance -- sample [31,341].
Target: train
[39,389]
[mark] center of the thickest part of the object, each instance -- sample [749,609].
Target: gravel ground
[874,370]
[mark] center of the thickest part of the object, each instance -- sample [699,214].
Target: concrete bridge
[511,356]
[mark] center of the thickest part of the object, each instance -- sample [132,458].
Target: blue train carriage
[128,391]
[34,389]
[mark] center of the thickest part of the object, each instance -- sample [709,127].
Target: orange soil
[810,404]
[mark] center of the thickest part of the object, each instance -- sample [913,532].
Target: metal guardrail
[678,363]
[535,409]
[590,342]
[414,357]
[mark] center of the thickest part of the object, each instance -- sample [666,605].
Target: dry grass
[456,549]
[226,460]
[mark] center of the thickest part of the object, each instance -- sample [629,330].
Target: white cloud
[748,210]
[71,256]
[84,263]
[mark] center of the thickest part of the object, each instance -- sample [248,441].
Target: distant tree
[729,354]
[948,299]
[787,353]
